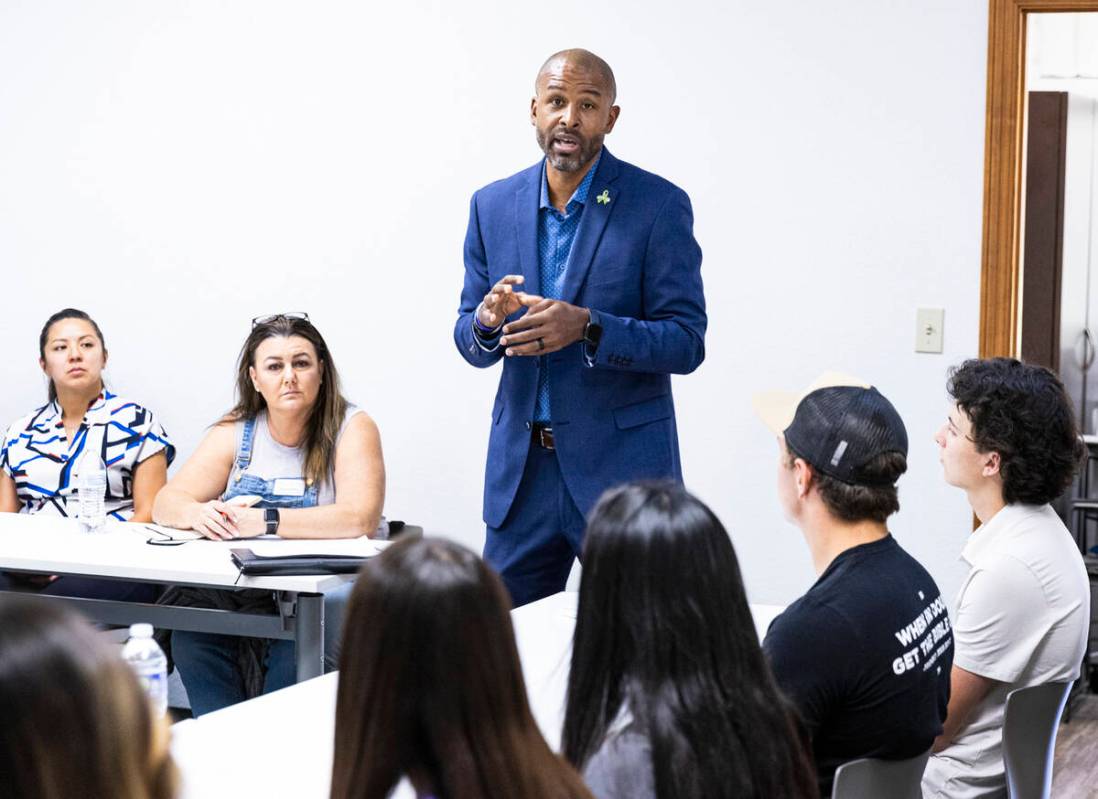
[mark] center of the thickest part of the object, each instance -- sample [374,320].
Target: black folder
[252,564]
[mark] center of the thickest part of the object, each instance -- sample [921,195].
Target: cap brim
[777,408]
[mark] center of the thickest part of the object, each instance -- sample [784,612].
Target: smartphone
[244,500]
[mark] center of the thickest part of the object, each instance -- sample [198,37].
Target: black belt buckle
[543,436]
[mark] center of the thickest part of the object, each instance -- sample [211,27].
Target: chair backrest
[1030,721]
[870,778]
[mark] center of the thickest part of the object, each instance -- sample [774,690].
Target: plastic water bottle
[147,660]
[91,489]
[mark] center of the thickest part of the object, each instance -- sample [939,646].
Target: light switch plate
[929,325]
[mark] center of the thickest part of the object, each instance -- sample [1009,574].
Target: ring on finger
[541,343]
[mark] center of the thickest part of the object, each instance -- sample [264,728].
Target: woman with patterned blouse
[40,450]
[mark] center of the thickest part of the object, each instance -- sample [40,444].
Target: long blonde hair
[73,719]
[326,415]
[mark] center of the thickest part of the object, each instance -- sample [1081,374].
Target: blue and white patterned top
[556,233]
[39,458]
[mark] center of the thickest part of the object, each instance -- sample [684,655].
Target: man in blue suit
[582,274]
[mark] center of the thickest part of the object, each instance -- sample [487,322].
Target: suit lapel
[595,216]
[527,200]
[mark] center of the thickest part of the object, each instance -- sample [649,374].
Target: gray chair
[870,778]
[1030,721]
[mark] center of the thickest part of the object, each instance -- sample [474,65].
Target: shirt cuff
[589,352]
[486,340]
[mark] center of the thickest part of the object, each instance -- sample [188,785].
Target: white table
[281,744]
[51,545]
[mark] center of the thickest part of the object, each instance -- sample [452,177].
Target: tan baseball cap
[839,424]
[777,408]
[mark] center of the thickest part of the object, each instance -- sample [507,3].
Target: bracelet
[488,331]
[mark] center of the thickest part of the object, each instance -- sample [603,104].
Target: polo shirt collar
[985,540]
[579,195]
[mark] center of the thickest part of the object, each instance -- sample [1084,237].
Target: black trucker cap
[838,424]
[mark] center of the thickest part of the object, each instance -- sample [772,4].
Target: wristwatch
[270,516]
[592,333]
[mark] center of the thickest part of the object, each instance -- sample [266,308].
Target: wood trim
[1043,212]
[999,276]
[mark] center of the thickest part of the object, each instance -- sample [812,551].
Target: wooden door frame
[1006,85]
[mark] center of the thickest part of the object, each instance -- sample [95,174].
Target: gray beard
[565,163]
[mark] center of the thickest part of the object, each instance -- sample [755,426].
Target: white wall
[177,168]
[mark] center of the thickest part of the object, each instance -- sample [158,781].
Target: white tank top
[273,461]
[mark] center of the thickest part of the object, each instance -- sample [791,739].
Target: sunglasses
[162,539]
[264,320]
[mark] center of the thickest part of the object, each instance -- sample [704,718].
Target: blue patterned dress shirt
[556,233]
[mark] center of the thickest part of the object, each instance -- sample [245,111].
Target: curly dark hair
[1021,411]
[858,502]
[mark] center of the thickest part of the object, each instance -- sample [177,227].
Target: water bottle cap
[142,630]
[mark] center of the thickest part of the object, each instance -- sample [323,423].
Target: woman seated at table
[669,694]
[76,722]
[294,458]
[430,686]
[42,450]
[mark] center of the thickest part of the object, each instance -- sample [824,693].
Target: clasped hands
[547,325]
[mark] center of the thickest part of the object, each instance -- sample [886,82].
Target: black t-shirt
[865,656]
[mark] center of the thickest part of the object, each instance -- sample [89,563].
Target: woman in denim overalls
[277,448]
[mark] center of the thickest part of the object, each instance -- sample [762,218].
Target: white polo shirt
[1022,618]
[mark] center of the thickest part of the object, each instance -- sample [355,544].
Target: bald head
[585,60]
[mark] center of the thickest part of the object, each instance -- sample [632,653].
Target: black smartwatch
[592,333]
[270,516]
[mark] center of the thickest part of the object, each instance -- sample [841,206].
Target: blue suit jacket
[636,265]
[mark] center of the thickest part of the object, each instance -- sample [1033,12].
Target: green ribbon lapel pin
[604,198]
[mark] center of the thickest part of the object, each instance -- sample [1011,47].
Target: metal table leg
[309,636]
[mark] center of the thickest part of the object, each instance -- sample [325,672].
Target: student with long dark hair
[73,719]
[669,694]
[430,685]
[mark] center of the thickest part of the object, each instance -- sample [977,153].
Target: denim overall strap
[244,451]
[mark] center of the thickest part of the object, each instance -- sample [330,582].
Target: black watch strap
[592,335]
[271,517]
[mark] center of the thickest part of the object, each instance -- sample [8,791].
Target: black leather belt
[542,435]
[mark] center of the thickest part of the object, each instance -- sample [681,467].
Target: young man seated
[865,654]
[1022,613]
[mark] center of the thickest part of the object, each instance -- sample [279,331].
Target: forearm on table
[173,508]
[329,521]
[142,513]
